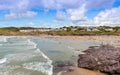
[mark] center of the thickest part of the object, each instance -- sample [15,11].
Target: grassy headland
[72,30]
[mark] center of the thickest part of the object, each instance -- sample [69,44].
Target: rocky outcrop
[63,66]
[104,58]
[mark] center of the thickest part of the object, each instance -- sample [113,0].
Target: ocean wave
[3,60]
[48,62]
[8,70]
[3,38]
[43,66]
[32,43]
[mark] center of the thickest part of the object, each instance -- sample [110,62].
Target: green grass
[15,31]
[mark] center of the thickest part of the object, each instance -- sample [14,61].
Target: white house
[37,30]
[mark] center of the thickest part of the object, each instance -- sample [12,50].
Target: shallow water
[35,55]
[20,56]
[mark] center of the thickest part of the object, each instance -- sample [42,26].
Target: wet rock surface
[104,58]
[62,66]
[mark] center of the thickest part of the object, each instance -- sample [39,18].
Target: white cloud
[71,4]
[10,16]
[15,5]
[23,5]
[60,16]
[31,23]
[75,10]
[77,14]
[27,14]
[96,4]
[108,17]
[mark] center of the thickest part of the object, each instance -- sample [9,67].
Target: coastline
[104,38]
[80,71]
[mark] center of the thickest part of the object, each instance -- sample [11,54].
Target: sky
[58,13]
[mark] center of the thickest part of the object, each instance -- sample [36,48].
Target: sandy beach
[98,38]
[81,71]
[111,39]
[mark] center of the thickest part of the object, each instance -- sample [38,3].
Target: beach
[105,39]
[32,55]
[81,71]
[98,38]
[59,37]
[112,40]
[40,51]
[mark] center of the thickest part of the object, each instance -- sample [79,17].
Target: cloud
[27,14]
[23,5]
[17,9]
[73,4]
[77,14]
[30,24]
[108,17]
[58,4]
[60,16]
[97,4]
[15,5]
[75,9]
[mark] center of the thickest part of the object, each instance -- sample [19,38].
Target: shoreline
[97,38]
[110,39]
[80,71]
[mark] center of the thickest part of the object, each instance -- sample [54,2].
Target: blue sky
[57,13]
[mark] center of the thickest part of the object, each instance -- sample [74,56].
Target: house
[37,30]
[110,29]
[92,29]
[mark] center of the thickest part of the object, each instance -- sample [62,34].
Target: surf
[3,60]
[48,61]
[22,51]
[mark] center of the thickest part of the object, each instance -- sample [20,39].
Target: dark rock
[63,66]
[66,64]
[71,69]
[104,58]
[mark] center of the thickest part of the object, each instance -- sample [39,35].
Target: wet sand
[99,38]
[108,39]
[80,71]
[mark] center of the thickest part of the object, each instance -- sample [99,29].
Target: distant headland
[63,31]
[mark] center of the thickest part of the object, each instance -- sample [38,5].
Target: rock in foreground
[104,58]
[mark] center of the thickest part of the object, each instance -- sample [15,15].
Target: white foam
[48,63]
[9,70]
[45,67]
[3,38]
[3,60]
[39,66]
[32,43]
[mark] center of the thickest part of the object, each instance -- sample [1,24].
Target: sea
[30,55]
